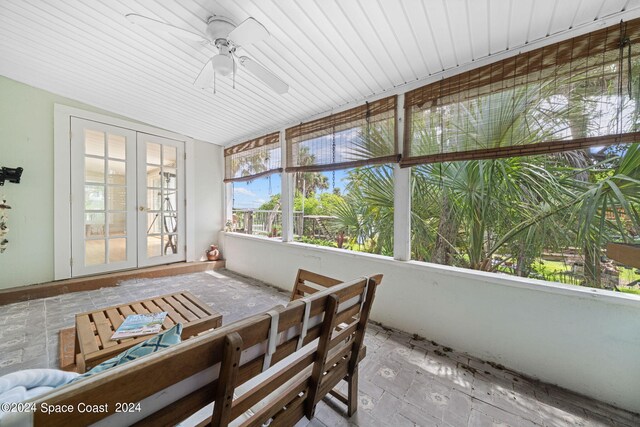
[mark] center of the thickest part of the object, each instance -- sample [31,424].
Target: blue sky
[253,194]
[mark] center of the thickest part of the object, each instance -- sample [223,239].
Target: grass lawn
[629,290]
[628,275]
[554,271]
[547,268]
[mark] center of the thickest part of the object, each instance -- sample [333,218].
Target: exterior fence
[269,223]
[263,222]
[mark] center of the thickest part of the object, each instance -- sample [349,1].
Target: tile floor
[404,380]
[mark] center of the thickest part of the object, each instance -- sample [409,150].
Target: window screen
[356,137]
[573,94]
[252,159]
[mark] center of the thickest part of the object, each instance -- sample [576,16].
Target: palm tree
[473,199]
[616,196]
[366,213]
[309,182]
[367,210]
[467,212]
[484,200]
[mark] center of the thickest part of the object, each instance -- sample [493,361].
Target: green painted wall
[26,140]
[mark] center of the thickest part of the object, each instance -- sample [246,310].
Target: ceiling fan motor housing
[219,27]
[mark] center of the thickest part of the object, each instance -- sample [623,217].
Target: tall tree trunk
[578,123]
[522,261]
[477,260]
[592,271]
[447,232]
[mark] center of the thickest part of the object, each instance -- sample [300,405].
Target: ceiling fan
[227,38]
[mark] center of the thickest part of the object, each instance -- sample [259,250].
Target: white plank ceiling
[332,53]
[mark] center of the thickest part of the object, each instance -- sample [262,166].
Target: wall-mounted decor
[10,174]
[4,229]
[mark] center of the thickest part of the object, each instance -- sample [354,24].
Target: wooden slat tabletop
[184,312]
[94,329]
[191,306]
[175,317]
[104,329]
[86,337]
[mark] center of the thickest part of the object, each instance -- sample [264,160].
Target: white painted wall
[582,339]
[26,140]
[209,196]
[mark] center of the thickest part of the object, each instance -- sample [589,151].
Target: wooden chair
[272,366]
[308,283]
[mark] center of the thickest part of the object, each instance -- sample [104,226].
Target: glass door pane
[161,190]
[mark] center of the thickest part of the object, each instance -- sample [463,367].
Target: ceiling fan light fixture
[222,64]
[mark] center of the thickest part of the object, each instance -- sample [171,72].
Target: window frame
[402,174]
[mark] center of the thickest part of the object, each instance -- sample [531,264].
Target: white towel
[23,385]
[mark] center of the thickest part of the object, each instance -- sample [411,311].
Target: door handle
[142,209]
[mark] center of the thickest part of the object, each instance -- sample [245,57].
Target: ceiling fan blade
[265,75]
[203,81]
[163,26]
[248,32]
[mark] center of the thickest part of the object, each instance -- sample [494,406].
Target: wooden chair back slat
[317,281]
[343,334]
[285,398]
[332,377]
[291,414]
[254,395]
[347,315]
[179,409]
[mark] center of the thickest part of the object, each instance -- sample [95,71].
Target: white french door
[161,200]
[127,198]
[103,197]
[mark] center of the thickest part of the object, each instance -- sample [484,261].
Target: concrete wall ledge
[486,277]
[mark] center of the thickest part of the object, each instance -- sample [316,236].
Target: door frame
[62,180]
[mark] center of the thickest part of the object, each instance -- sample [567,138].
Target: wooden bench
[272,366]
[93,343]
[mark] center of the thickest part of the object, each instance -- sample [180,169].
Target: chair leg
[352,394]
